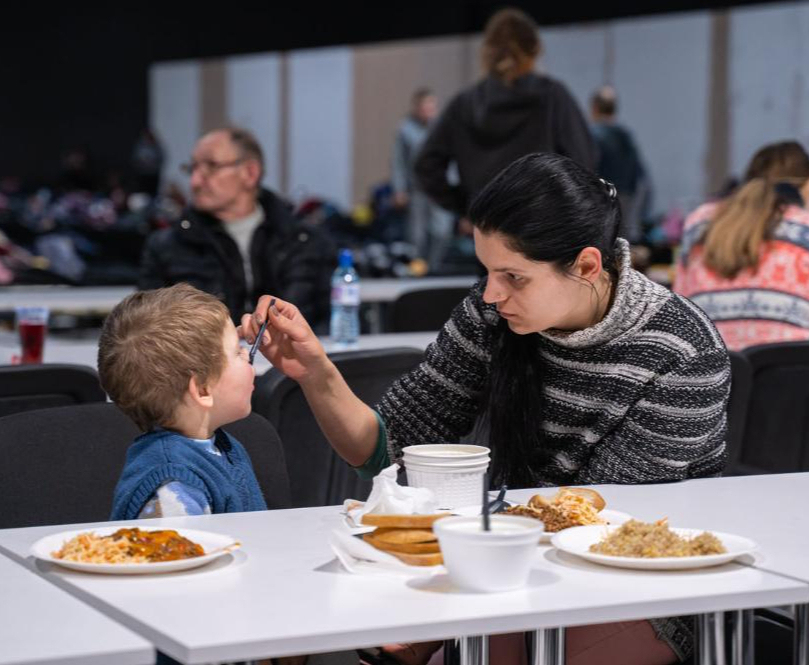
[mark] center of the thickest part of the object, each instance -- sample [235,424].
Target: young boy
[172,361]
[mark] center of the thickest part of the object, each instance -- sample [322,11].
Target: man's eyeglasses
[208,166]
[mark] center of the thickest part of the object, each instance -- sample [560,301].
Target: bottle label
[346,294]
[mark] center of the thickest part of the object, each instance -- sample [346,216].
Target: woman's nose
[492,294]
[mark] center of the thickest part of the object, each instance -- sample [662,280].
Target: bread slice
[405,548]
[402,521]
[391,535]
[419,559]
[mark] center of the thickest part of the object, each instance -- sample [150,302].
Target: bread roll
[591,495]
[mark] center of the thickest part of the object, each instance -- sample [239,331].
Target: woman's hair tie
[611,190]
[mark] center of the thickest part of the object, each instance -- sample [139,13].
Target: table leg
[742,638]
[801,645]
[548,647]
[718,620]
[709,639]
[475,650]
[704,639]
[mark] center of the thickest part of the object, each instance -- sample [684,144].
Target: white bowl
[489,561]
[446,452]
[460,467]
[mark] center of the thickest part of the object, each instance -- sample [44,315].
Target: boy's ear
[199,393]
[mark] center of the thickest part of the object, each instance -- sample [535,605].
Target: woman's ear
[588,264]
[199,393]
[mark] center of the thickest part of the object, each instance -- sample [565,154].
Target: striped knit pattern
[762,306]
[638,398]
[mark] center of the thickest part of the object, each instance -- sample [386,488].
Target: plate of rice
[652,546]
[133,551]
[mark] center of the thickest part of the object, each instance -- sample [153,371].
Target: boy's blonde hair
[151,345]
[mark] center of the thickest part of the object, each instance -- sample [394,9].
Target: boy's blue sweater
[156,457]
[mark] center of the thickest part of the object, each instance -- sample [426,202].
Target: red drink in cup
[32,322]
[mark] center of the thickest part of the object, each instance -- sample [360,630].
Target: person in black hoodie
[510,113]
[238,240]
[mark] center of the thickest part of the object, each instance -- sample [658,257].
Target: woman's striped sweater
[638,398]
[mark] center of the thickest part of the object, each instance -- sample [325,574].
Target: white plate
[611,516]
[43,549]
[577,541]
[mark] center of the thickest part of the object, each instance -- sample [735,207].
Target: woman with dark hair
[745,260]
[587,371]
[511,112]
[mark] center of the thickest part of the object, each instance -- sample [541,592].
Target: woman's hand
[290,345]
[288,342]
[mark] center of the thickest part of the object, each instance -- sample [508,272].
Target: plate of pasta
[132,551]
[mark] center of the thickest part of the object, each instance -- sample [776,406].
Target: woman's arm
[291,346]
[439,401]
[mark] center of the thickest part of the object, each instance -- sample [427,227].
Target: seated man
[238,240]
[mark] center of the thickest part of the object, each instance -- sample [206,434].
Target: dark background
[78,77]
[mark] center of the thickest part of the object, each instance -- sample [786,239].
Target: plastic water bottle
[345,302]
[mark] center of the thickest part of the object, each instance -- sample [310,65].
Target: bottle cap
[346,260]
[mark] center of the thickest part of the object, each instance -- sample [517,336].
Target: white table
[84,350]
[42,625]
[69,299]
[767,508]
[284,593]
[101,299]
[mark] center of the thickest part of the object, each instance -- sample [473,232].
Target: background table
[101,299]
[84,350]
[41,624]
[285,594]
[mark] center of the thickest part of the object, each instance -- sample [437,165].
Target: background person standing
[512,112]
[429,227]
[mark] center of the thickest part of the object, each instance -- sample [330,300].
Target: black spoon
[499,504]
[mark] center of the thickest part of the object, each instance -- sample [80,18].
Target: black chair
[741,386]
[776,429]
[61,465]
[318,476]
[424,309]
[27,387]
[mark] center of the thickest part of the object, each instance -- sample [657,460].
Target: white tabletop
[84,351]
[388,289]
[770,509]
[73,299]
[41,624]
[285,594]
[101,299]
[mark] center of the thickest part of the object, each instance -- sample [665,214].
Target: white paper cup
[454,472]
[453,488]
[489,561]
